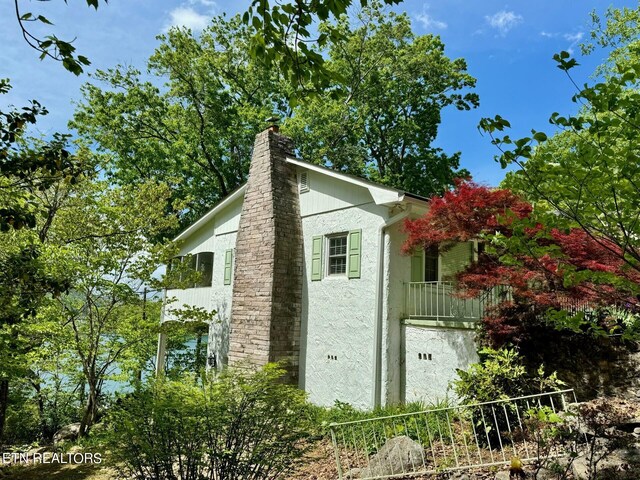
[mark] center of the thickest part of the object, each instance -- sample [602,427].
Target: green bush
[239,425]
[500,375]
[22,424]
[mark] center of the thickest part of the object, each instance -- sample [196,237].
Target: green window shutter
[417,262]
[228,260]
[355,245]
[316,258]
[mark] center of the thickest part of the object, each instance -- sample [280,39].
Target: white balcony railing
[435,301]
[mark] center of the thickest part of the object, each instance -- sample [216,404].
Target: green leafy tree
[197,130]
[99,240]
[618,30]
[105,239]
[282,35]
[586,174]
[51,46]
[285,36]
[27,279]
[194,133]
[28,167]
[383,107]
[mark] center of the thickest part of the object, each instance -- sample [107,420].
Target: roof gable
[381,194]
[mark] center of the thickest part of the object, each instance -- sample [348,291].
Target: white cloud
[503,21]
[187,17]
[205,3]
[573,37]
[428,22]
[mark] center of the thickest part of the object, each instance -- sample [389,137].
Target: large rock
[620,464]
[397,455]
[68,432]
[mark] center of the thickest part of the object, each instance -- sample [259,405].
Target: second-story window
[200,262]
[205,267]
[336,255]
[337,264]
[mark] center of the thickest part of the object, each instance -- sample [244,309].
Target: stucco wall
[217,236]
[397,273]
[443,350]
[338,312]
[221,300]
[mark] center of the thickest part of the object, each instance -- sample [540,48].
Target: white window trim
[327,249]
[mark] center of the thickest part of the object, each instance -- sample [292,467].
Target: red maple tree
[536,267]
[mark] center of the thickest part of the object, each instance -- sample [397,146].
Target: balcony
[433,303]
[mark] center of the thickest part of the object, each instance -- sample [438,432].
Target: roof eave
[381,195]
[238,193]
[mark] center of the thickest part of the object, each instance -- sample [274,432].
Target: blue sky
[508,47]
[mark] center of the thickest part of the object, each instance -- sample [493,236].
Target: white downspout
[377,333]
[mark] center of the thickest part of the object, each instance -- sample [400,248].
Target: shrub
[238,425]
[257,426]
[345,412]
[501,374]
[33,417]
[592,430]
[158,432]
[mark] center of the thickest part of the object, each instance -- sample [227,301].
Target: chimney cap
[273,123]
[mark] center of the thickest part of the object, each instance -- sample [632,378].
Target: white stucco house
[358,321]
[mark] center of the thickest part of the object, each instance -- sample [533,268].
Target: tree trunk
[44,430]
[83,391]
[4,403]
[89,416]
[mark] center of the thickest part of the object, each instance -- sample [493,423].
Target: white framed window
[337,254]
[200,262]
[205,267]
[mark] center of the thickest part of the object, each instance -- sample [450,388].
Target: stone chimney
[267,288]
